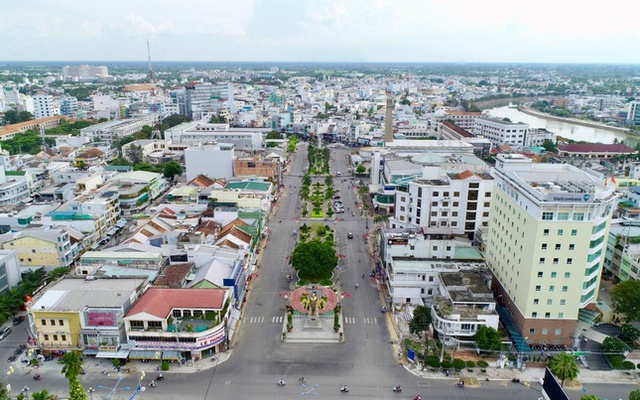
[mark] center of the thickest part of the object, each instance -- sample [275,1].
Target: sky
[546,31]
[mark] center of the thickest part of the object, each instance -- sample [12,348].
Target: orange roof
[19,127]
[201,181]
[465,174]
[160,302]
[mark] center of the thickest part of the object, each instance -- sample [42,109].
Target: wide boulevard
[365,361]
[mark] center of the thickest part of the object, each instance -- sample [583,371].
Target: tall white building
[546,244]
[43,106]
[212,160]
[203,132]
[455,203]
[500,131]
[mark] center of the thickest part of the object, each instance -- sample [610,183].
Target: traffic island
[313,316]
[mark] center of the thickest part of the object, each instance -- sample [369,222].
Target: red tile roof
[465,174]
[618,148]
[160,302]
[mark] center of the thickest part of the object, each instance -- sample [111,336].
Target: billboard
[100,318]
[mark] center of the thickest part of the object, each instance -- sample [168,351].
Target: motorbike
[397,389]
[37,377]
[281,382]
[417,397]
[153,384]
[160,377]
[345,389]
[460,384]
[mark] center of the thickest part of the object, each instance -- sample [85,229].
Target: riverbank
[574,121]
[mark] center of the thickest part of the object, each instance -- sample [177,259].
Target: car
[5,332]
[350,235]
[18,320]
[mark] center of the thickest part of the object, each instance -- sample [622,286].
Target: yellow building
[84,314]
[49,248]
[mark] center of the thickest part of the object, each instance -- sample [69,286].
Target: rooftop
[75,294]
[160,302]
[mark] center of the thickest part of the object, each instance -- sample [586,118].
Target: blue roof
[635,189]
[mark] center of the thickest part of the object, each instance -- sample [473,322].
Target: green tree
[613,345]
[589,397]
[549,146]
[314,260]
[488,339]
[173,120]
[171,169]
[274,135]
[625,298]
[42,395]
[630,332]
[564,367]
[635,395]
[71,369]
[360,169]
[421,320]
[134,154]
[14,117]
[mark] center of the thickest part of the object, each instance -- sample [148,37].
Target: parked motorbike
[37,377]
[281,382]
[345,389]
[397,389]
[515,380]
[460,384]
[160,377]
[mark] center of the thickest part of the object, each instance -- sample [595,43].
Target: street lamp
[25,390]
[91,390]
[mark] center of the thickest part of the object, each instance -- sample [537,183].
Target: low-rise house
[84,314]
[465,303]
[137,189]
[243,194]
[257,166]
[179,323]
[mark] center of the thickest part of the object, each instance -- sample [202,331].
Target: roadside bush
[459,364]
[616,361]
[471,364]
[626,364]
[433,362]
[116,362]
[165,366]
[482,364]
[446,364]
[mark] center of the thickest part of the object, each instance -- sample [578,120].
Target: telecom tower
[150,69]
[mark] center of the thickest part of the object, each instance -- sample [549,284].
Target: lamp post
[91,390]
[25,390]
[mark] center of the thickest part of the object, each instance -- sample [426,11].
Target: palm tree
[42,395]
[564,367]
[72,365]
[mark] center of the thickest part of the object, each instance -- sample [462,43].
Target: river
[564,129]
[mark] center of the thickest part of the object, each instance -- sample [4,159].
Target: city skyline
[316,31]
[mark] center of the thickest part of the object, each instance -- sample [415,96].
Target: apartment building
[463,119]
[268,167]
[112,130]
[456,203]
[9,270]
[43,106]
[546,244]
[203,132]
[201,98]
[137,189]
[212,160]
[36,247]
[500,131]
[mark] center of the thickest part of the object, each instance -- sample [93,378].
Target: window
[430,278]
[28,259]
[137,324]
[552,288]
[536,301]
[569,261]
[60,322]
[545,331]
[53,322]
[558,332]
[554,274]
[435,248]
[560,315]
[46,337]
[456,204]
[55,338]
[544,246]
[154,324]
[547,315]
[436,194]
[545,232]
[177,313]
[63,338]
[538,288]
[563,302]
[572,246]
[549,302]
[567,274]
[578,216]
[540,273]
[456,194]
[558,246]
[555,260]
[565,288]
[33,250]
[574,232]
[560,232]
[563,216]
[534,315]
[43,322]
[434,204]
[547,216]
[541,260]
[532,331]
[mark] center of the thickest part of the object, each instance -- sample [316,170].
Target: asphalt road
[259,359]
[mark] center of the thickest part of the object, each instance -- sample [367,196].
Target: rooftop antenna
[150,69]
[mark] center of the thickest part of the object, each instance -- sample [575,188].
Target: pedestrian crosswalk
[279,319]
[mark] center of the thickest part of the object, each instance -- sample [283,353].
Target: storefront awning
[170,355]
[145,355]
[122,353]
